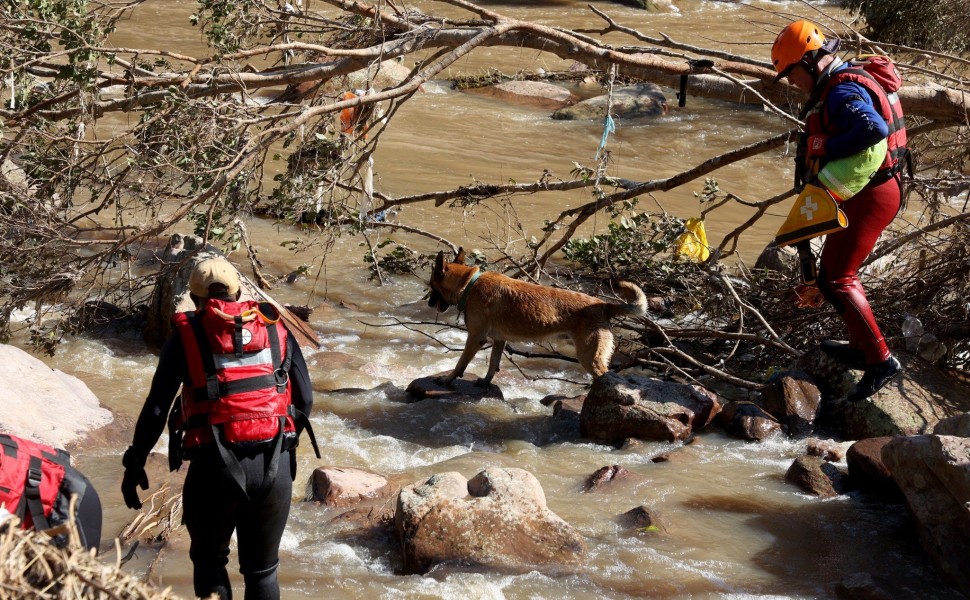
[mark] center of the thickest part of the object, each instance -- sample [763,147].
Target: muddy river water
[730,526]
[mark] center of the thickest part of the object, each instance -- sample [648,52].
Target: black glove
[134,476]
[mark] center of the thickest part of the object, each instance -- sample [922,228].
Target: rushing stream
[729,525]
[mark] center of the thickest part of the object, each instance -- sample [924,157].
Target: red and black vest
[882,89]
[238,374]
[32,479]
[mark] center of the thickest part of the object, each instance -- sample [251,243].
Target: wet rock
[666,6]
[46,405]
[346,486]
[573,405]
[640,520]
[867,470]
[782,260]
[372,515]
[99,317]
[603,477]
[643,100]
[833,380]
[532,93]
[618,407]
[794,400]
[911,404]
[465,388]
[861,586]
[933,471]
[827,450]
[631,444]
[748,421]
[497,519]
[958,425]
[817,477]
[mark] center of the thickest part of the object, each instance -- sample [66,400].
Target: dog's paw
[442,381]
[483,382]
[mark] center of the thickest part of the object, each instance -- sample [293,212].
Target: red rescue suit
[238,367]
[869,212]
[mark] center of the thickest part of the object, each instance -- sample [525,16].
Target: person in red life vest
[848,111]
[36,485]
[245,397]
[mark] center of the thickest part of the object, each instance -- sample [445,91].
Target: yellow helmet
[793,43]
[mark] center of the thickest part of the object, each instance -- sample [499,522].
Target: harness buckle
[34,476]
[212,387]
[282,378]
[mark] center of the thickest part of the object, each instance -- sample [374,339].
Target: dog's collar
[468,288]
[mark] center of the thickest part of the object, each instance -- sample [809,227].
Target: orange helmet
[791,45]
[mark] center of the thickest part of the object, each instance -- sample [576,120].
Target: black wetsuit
[213,503]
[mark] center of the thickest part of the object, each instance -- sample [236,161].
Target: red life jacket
[31,478]
[238,366]
[878,75]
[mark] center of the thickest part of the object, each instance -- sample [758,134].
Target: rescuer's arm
[151,422]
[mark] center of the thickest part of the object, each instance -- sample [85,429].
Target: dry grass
[32,567]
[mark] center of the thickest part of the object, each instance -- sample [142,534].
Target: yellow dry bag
[693,242]
[814,213]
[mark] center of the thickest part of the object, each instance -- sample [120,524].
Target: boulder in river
[532,93]
[794,400]
[498,519]
[748,421]
[911,404]
[43,404]
[618,407]
[933,472]
[630,102]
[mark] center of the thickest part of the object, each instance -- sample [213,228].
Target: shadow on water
[819,544]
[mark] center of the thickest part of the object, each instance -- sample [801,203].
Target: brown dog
[508,310]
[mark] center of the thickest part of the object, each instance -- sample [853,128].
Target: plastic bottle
[912,331]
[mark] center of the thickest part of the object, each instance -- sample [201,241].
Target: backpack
[881,68]
[37,482]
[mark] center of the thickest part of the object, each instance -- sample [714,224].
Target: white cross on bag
[809,208]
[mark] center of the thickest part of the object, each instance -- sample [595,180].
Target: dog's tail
[637,305]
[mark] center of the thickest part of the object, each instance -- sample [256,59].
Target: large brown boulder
[911,404]
[748,421]
[346,486]
[498,518]
[864,459]
[43,404]
[794,400]
[933,471]
[817,477]
[617,408]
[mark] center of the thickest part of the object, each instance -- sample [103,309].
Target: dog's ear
[439,265]
[460,257]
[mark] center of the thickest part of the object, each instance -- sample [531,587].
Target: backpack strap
[32,501]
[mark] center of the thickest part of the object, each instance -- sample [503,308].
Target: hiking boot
[875,378]
[842,352]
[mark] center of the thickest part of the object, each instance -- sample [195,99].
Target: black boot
[853,358]
[875,377]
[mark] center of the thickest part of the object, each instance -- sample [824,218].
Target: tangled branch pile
[32,567]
